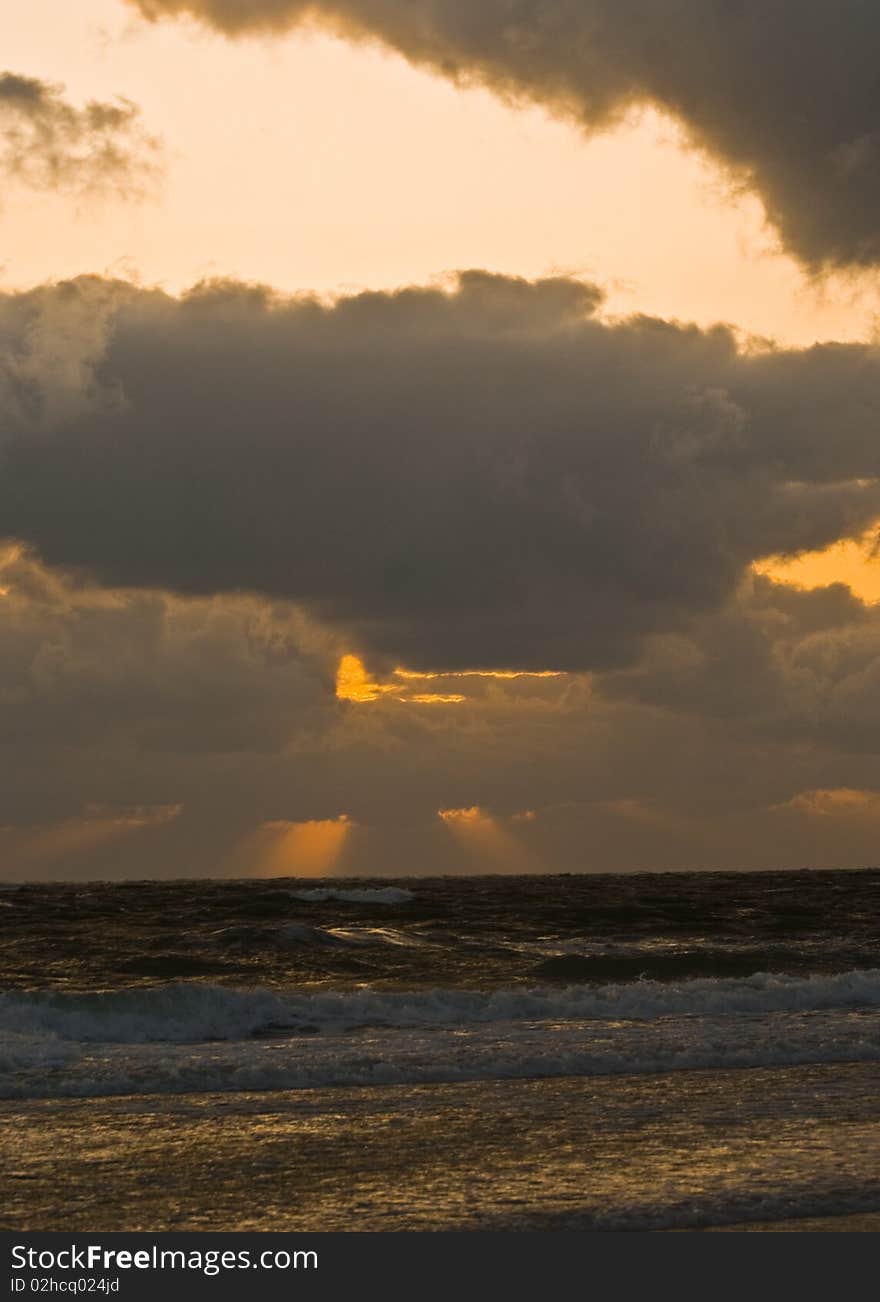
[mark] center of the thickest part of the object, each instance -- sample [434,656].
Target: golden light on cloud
[96,826]
[479,673]
[286,848]
[854,562]
[454,817]
[353,683]
[833,802]
[487,839]
[435,698]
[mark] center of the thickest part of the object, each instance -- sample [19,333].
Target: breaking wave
[48,1065]
[181,1011]
[184,1037]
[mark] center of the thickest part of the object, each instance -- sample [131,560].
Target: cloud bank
[784,94]
[478,476]
[49,144]
[146,734]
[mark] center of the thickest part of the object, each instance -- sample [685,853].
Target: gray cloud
[487,477]
[48,143]
[135,725]
[785,94]
[171,676]
[146,734]
[779,663]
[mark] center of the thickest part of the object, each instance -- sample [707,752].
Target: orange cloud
[833,802]
[480,673]
[854,562]
[97,825]
[435,698]
[485,837]
[355,683]
[473,814]
[286,848]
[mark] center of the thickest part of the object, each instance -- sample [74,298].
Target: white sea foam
[383,895]
[179,1011]
[33,1050]
[377,936]
[301,933]
[188,1036]
[385,1056]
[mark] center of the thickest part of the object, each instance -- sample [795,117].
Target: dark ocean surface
[481,933]
[669,1050]
[152,986]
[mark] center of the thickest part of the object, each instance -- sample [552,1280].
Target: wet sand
[756,1149]
[868,1223]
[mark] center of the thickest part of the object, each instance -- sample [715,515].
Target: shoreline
[858,1223]
[747,1150]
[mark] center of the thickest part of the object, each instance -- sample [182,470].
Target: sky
[438,438]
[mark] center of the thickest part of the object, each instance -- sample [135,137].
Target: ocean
[646,1051]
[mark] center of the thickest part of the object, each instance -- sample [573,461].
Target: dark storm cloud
[145,734]
[777,662]
[786,94]
[488,477]
[177,677]
[48,143]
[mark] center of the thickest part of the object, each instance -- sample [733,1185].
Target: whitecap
[383,895]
